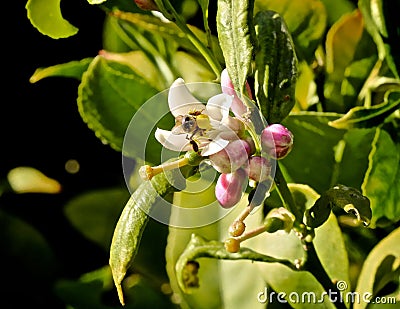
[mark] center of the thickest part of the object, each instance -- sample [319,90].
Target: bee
[193,124]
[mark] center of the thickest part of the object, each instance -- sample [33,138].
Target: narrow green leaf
[276,67]
[45,16]
[132,222]
[381,182]
[236,37]
[367,117]
[73,69]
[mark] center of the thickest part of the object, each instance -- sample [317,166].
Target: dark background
[41,127]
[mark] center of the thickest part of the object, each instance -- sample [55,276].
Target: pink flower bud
[232,157]
[259,168]
[238,108]
[147,5]
[277,141]
[230,187]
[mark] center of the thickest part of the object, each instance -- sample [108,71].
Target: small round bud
[230,187]
[232,157]
[259,168]
[277,141]
[237,228]
[232,245]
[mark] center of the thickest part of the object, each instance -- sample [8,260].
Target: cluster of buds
[222,133]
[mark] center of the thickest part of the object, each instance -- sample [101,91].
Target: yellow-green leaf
[45,15]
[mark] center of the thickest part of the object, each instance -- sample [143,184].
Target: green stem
[206,52]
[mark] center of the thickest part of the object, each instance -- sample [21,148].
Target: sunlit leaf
[26,179]
[45,15]
[109,95]
[350,55]
[236,36]
[381,182]
[336,8]
[73,69]
[366,117]
[388,247]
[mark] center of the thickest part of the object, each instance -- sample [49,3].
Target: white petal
[218,106]
[181,100]
[214,146]
[176,142]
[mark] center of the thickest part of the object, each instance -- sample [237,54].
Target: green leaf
[387,250]
[305,19]
[94,213]
[191,68]
[380,183]
[236,37]
[367,117]
[328,242]
[336,8]
[133,220]
[351,157]
[169,31]
[72,69]
[307,163]
[276,67]
[45,16]
[350,56]
[349,199]
[109,95]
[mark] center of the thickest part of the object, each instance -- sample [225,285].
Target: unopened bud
[277,141]
[237,228]
[259,168]
[232,245]
[230,187]
[283,215]
[232,157]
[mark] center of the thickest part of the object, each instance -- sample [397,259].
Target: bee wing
[177,129]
